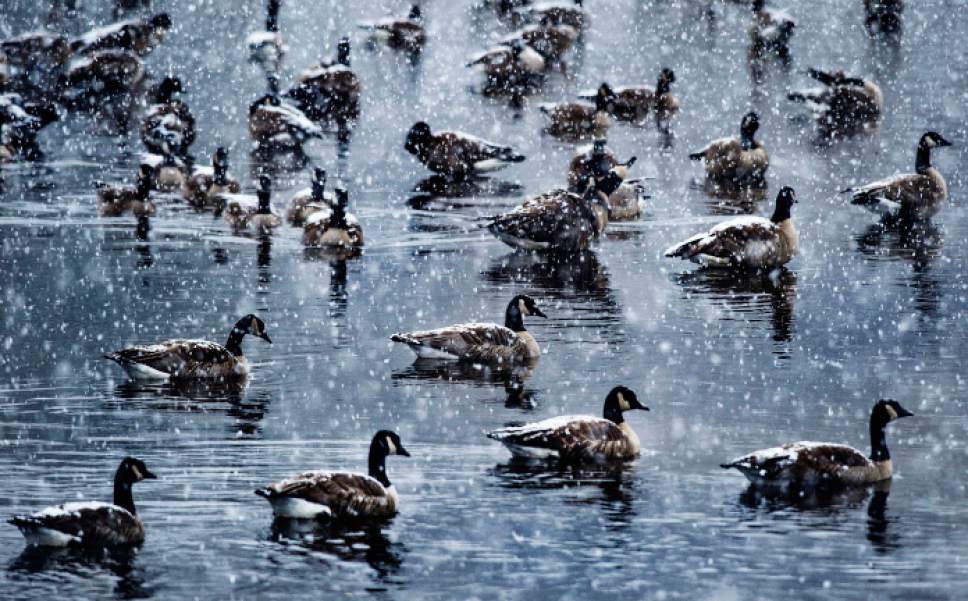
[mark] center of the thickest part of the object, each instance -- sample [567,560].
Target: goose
[844,104]
[807,464]
[333,226]
[457,154]
[20,123]
[341,495]
[770,32]
[634,103]
[509,67]
[136,35]
[579,119]
[267,47]
[748,242]
[247,211]
[404,34]
[168,121]
[37,56]
[192,359]
[578,438]
[310,200]
[594,158]
[206,183]
[330,90]
[571,14]
[114,200]
[91,523]
[550,41]
[168,171]
[740,161]
[277,125]
[101,74]
[487,343]
[909,196]
[559,220]
[883,17]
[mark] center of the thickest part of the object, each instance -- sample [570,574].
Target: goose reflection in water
[920,244]
[882,531]
[346,541]
[512,379]
[440,187]
[725,198]
[557,276]
[79,562]
[200,396]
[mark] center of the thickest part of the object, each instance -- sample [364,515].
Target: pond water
[726,364]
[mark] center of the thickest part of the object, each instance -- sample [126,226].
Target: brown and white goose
[192,359]
[549,40]
[818,464]
[341,495]
[487,343]
[205,184]
[635,103]
[559,13]
[90,523]
[330,90]
[579,438]
[770,33]
[168,121]
[334,226]
[915,196]
[737,161]
[595,161]
[508,68]
[456,154]
[844,104]
[310,200]
[267,47]
[580,119]
[114,200]
[248,211]
[136,35]
[748,242]
[402,34]
[278,125]
[169,172]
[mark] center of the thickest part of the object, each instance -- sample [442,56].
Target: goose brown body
[457,154]
[203,188]
[137,35]
[114,200]
[844,104]
[737,161]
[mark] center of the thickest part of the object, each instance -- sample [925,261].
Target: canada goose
[247,211]
[310,200]
[192,359]
[509,67]
[137,35]
[593,159]
[90,523]
[404,34]
[20,122]
[844,104]
[168,121]
[267,47]
[770,32]
[114,200]
[748,242]
[579,438]
[634,103]
[277,125]
[330,90]
[333,226]
[909,196]
[457,154]
[206,183]
[102,74]
[819,464]
[550,41]
[559,220]
[487,343]
[883,17]
[560,13]
[740,161]
[37,56]
[340,495]
[578,119]
[168,171]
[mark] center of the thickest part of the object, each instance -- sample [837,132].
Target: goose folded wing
[465,339]
[176,357]
[342,492]
[543,218]
[474,148]
[898,187]
[735,238]
[829,459]
[569,435]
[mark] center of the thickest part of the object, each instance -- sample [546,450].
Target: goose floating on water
[736,161]
[205,184]
[457,154]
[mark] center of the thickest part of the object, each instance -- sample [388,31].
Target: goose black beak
[943,142]
[403,451]
[149,475]
[537,311]
[265,337]
[902,412]
[637,405]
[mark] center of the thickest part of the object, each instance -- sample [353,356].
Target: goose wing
[550,219]
[473,149]
[734,239]
[799,460]
[568,436]
[903,189]
[344,493]
[177,358]
[463,340]
[84,523]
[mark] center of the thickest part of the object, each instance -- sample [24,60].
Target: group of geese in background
[43,73]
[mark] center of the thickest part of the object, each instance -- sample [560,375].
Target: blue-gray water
[726,365]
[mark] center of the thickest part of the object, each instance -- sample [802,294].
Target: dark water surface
[727,365]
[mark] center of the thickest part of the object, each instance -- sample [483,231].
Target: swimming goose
[550,41]
[101,74]
[206,183]
[192,359]
[770,32]
[913,196]
[579,438]
[559,220]
[747,242]
[267,47]
[509,67]
[738,161]
[595,158]
[579,119]
[277,125]
[333,226]
[168,120]
[819,464]
[560,13]
[457,154]
[137,35]
[634,103]
[330,90]
[310,200]
[247,211]
[844,104]
[168,171]
[90,523]
[404,34]
[487,343]
[114,200]
[20,122]
[341,495]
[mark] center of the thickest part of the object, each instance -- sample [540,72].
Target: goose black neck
[164,94]
[662,87]
[338,219]
[234,343]
[319,189]
[272,16]
[264,206]
[746,140]
[879,450]
[378,464]
[221,173]
[513,320]
[612,412]
[122,493]
[143,187]
[343,56]
[780,213]
[923,161]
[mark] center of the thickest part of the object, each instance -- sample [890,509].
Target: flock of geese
[44,73]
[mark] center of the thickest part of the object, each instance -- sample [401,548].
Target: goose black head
[748,128]
[319,183]
[272,15]
[605,97]
[933,139]
[519,307]
[666,78]
[517,47]
[343,52]
[168,87]
[342,198]
[758,5]
[415,13]
[599,147]
[161,21]
[252,325]
[785,200]
[418,137]
[264,193]
[619,400]
[387,442]
[133,470]
[887,410]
